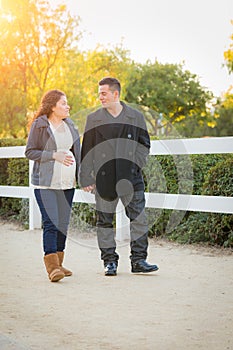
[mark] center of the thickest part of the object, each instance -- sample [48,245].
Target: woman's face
[62,109]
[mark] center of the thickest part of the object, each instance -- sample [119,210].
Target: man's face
[107,97]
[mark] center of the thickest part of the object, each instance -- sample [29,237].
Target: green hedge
[4,162]
[83,216]
[176,174]
[215,228]
[219,182]
[14,172]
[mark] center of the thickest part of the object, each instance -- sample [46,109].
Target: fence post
[122,223]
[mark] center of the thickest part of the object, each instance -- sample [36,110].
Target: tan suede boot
[60,258]
[52,266]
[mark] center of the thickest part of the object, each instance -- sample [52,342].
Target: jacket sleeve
[143,145]
[76,149]
[86,174]
[34,150]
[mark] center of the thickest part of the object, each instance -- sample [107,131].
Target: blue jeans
[55,207]
[135,210]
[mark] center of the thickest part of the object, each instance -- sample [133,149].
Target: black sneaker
[143,266]
[110,269]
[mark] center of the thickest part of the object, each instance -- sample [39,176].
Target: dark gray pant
[135,210]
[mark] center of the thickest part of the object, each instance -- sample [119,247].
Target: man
[114,150]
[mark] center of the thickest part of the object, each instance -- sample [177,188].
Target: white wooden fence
[218,204]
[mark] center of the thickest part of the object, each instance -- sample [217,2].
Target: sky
[195,33]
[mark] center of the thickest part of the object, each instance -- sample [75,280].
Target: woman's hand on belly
[66,158]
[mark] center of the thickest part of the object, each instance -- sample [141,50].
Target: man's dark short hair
[113,83]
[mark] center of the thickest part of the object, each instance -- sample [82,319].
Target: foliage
[17,175]
[39,51]
[224,114]
[216,228]
[228,55]
[34,35]
[83,216]
[4,162]
[219,181]
[14,172]
[176,174]
[89,68]
[191,230]
[23,215]
[202,163]
[174,94]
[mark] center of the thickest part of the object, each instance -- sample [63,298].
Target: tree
[228,55]
[33,38]
[224,113]
[224,107]
[83,72]
[171,96]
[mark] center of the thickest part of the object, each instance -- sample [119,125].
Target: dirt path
[186,305]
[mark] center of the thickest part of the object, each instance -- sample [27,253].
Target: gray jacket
[40,147]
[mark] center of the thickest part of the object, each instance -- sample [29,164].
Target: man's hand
[89,188]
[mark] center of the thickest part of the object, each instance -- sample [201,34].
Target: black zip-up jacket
[114,149]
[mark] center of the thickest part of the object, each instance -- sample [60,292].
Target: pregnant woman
[54,146]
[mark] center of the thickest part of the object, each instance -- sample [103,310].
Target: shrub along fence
[189,186]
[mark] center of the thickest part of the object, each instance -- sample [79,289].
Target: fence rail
[218,204]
